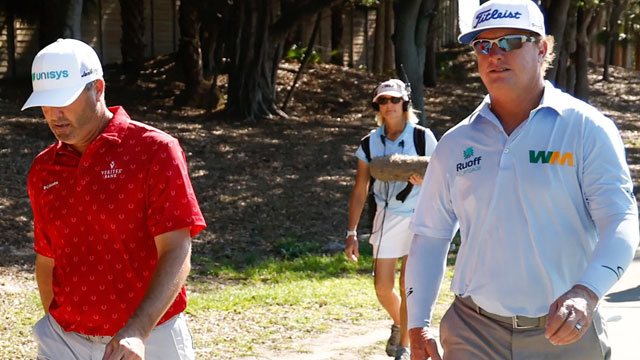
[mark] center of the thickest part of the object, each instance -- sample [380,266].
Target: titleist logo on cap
[495,14]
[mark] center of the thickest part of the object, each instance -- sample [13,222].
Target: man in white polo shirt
[538,184]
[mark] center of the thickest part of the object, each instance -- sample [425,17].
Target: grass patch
[277,303]
[18,313]
[235,313]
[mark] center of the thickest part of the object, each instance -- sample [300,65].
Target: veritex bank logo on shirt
[551,157]
[113,172]
[469,165]
[50,75]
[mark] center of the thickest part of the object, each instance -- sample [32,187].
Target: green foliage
[367,3]
[297,53]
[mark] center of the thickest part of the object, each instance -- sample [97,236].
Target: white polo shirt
[530,205]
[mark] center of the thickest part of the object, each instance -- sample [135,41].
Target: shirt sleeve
[434,215]
[41,243]
[360,154]
[608,193]
[426,266]
[172,201]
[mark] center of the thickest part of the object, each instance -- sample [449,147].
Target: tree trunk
[557,14]
[132,41]
[637,54]
[256,46]
[73,21]
[11,40]
[388,34]
[52,15]
[380,32]
[617,7]
[430,76]
[251,92]
[410,40]
[566,76]
[190,55]
[584,19]
[337,31]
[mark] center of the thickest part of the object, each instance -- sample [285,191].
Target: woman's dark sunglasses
[506,43]
[384,100]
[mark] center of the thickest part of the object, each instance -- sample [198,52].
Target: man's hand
[124,346]
[570,315]
[423,344]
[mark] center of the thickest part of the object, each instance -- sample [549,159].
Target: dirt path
[347,342]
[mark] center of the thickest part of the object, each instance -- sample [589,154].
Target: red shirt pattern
[96,215]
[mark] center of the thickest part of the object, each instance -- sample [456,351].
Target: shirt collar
[550,99]
[408,127]
[114,131]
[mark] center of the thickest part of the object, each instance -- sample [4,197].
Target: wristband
[352,232]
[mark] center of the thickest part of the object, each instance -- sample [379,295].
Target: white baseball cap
[393,87]
[60,72]
[505,14]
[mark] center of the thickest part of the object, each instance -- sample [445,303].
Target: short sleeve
[360,154]
[41,243]
[172,203]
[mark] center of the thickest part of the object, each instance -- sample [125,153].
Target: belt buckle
[514,321]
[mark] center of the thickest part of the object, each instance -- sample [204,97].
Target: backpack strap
[364,142]
[418,141]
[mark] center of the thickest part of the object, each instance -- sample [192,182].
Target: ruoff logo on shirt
[551,157]
[112,172]
[469,164]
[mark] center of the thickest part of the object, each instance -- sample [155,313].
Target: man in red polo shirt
[114,212]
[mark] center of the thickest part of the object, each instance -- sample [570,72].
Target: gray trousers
[170,340]
[467,335]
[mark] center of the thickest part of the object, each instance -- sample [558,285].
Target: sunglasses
[506,43]
[384,100]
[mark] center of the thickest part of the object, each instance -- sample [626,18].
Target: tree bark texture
[337,31]
[565,70]
[430,76]
[584,21]
[256,46]
[73,21]
[557,13]
[52,16]
[616,9]
[388,42]
[190,55]
[380,32]
[412,18]
[132,41]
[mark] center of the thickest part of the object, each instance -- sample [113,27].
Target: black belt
[517,322]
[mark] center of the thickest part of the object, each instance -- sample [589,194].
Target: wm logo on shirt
[551,157]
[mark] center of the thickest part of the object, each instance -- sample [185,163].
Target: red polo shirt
[96,215]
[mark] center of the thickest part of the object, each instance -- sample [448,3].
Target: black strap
[364,142]
[418,141]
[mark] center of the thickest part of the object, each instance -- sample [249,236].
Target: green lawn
[234,312]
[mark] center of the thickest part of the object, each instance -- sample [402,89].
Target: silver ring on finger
[578,327]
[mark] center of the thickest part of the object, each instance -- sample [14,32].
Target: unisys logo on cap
[50,75]
[495,14]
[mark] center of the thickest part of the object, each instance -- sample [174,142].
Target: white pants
[170,340]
